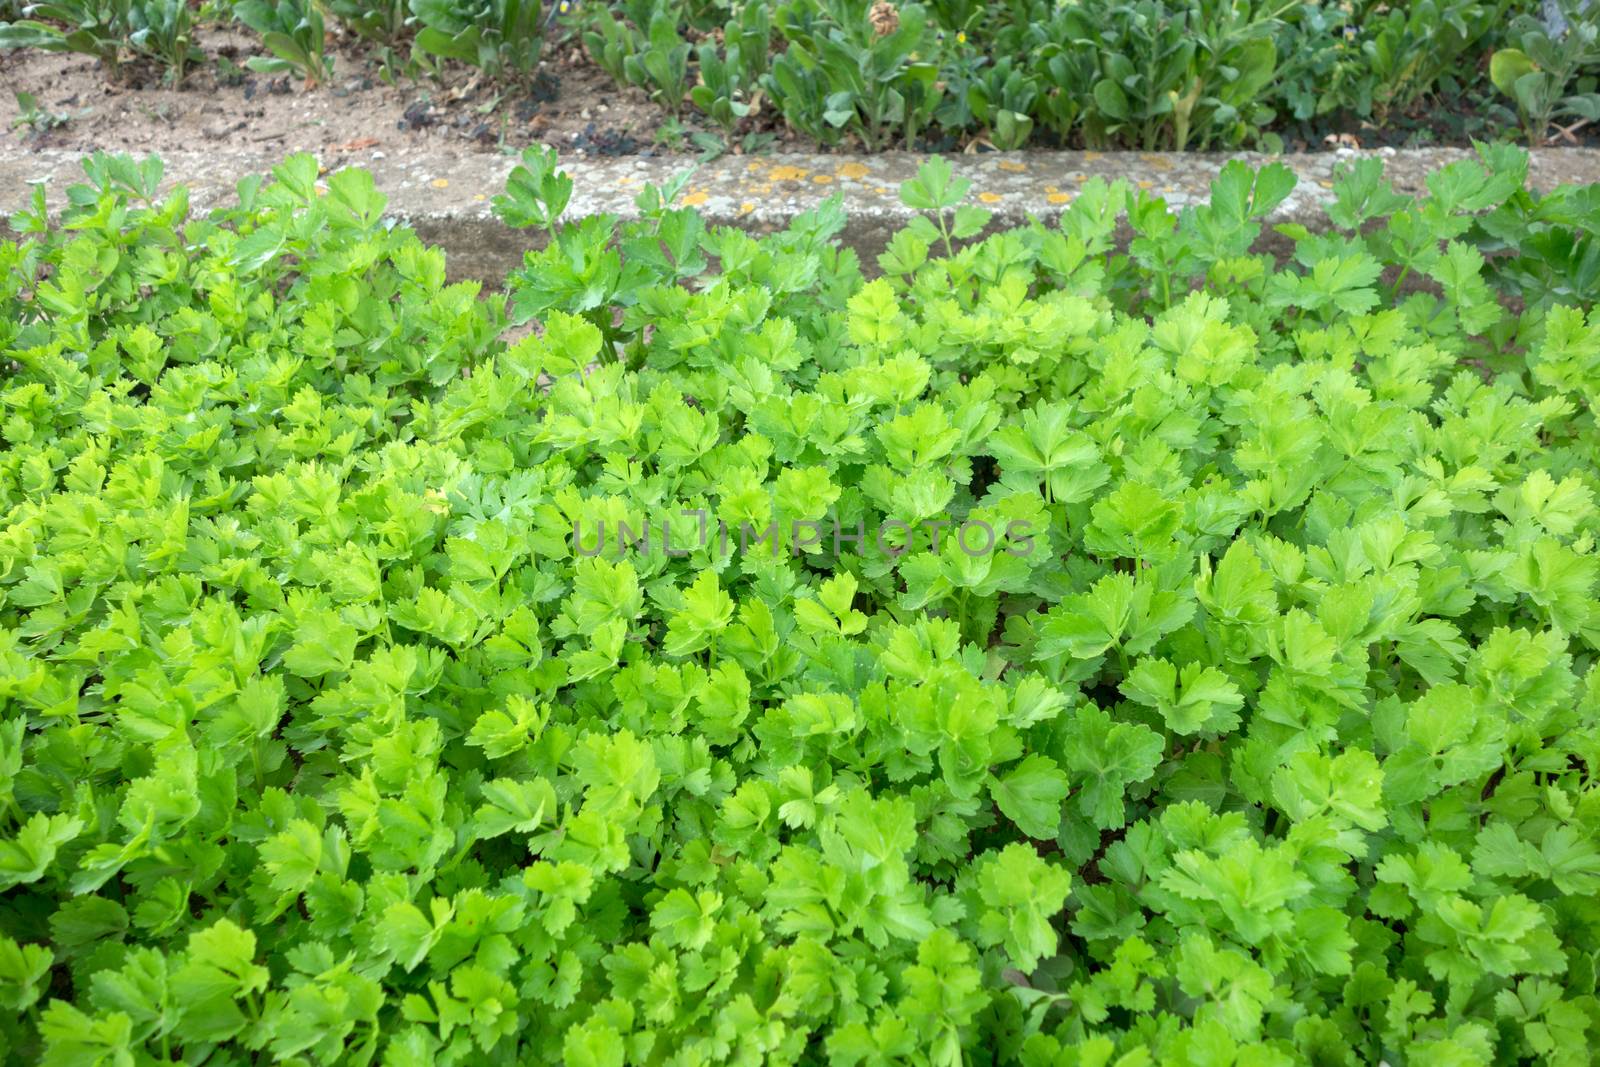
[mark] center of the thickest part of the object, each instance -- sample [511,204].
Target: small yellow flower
[961,38]
[565,7]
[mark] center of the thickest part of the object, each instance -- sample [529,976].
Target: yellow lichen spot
[989,198]
[881,189]
[752,167]
[479,198]
[747,207]
[1325,185]
[625,180]
[1146,184]
[786,173]
[1059,198]
[440,183]
[1013,166]
[1090,157]
[695,198]
[1155,161]
[853,171]
[822,179]
[1051,189]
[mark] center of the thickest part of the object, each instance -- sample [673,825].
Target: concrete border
[446,196]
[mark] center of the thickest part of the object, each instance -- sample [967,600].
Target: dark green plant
[960,67]
[703,15]
[293,31]
[1409,48]
[384,22]
[503,38]
[97,28]
[956,15]
[612,36]
[750,31]
[1321,66]
[730,72]
[1003,98]
[163,30]
[1063,62]
[1544,75]
[801,95]
[849,69]
[660,66]
[1189,75]
[722,91]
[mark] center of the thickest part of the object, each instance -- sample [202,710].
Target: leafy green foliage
[1540,74]
[1144,74]
[293,31]
[36,119]
[1408,49]
[647,48]
[385,22]
[164,31]
[537,191]
[503,38]
[1151,74]
[94,28]
[730,76]
[845,70]
[1172,75]
[325,739]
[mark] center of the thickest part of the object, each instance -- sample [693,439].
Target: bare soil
[571,105]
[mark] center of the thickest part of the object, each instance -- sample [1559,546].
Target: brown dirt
[572,106]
